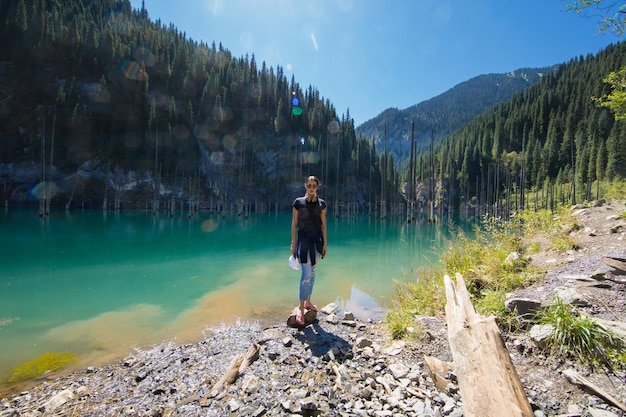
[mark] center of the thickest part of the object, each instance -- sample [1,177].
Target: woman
[308,238]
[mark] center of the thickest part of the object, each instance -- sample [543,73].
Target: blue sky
[369,55]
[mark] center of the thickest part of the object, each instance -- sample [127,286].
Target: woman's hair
[313,178]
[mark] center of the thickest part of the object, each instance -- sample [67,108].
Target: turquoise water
[100,283]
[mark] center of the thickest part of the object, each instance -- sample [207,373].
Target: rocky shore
[336,366]
[342,366]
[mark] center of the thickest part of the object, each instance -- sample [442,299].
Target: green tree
[616,99]
[612,15]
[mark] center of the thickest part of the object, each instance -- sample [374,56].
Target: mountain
[441,115]
[551,143]
[107,104]
[98,104]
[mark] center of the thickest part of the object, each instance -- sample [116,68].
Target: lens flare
[222,114]
[43,189]
[309,158]
[230,141]
[217,158]
[144,56]
[132,70]
[209,226]
[297,111]
[333,126]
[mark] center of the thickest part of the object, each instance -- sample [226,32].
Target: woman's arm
[323,219]
[294,227]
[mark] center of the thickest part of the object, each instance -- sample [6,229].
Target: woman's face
[311,188]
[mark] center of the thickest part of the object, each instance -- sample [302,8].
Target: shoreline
[337,363]
[264,317]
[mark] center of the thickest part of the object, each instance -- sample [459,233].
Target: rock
[332,318]
[399,370]
[261,410]
[330,308]
[363,342]
[618,328]
[58,400]
[571,296]
[233,405]
[539,333]
[511,259]
[525,307]
[250,384]
[395,348]
[596,412]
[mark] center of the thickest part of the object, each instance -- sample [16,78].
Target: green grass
[423,296]
[486,263]
[578,336]
[490,273]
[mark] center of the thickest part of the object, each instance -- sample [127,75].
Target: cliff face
[92,185]
[98,185]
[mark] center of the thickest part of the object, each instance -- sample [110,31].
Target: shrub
[581,337]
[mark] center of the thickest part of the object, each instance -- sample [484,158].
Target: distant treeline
[94,83]
[551,135]
[101,82]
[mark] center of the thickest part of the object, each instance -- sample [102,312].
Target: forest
[101,107]
[117,99]
[552,140]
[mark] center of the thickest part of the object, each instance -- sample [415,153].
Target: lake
[100,283]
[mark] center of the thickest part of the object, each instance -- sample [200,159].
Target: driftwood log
[617,263]
[237,366]
[575,378]
[488,382]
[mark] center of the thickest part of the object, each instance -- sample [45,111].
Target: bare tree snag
[488,381]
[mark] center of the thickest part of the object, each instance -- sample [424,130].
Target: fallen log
[617,263]
[577,379]
[237,366]
[488,382]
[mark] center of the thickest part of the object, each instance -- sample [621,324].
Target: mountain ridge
[467,100]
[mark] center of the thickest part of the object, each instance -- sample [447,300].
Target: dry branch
[438,371]
[575,378]
[237,366]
